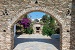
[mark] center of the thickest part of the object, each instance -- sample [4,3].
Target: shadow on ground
[54,42]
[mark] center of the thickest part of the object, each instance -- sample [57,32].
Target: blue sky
[36,15]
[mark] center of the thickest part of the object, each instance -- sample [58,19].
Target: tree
[49,25]
[36,20]
[45,19]
[52,23]
[47,30]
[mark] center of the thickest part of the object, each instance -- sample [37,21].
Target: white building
[37,27]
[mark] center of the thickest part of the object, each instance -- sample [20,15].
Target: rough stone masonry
[61,10]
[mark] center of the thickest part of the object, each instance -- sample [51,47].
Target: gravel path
[35,42]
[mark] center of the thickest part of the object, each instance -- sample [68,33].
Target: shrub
[47,31]
[49,25]
[28,31]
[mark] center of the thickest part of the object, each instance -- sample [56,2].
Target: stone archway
[60,21]
[7,36]
[57,17]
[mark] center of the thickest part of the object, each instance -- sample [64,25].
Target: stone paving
[35,42]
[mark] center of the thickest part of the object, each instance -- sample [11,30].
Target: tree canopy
[36,20]
[49,25]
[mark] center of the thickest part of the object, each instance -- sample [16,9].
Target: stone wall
[12,10]
[72,33]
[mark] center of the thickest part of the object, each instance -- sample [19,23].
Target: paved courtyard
[35,42]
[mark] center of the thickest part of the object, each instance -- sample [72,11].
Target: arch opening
[46,13]
[53,16]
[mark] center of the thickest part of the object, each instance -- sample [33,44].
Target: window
[37,28]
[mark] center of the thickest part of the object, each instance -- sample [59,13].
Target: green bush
[49,25]
[24,31]
[28,30]
[18,27]
[47,31]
